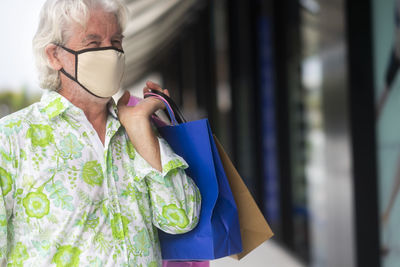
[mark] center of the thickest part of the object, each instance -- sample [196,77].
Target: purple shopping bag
[186,264]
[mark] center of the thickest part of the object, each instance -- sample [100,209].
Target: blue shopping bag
[218,232]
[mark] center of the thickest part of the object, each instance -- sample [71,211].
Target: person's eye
[116,42]
[93,43]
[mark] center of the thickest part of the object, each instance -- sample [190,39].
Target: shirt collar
[112,108]
[53,104]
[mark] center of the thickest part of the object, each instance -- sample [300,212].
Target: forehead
[100,24]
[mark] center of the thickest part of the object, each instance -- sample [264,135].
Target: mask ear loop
[76,63]
[168,107]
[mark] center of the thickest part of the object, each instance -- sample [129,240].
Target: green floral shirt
[69,200]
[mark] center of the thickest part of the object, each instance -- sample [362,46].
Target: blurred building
[304,97]
[289,89]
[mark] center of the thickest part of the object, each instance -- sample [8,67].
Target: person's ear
[53,56]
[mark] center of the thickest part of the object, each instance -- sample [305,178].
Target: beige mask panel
[101,71]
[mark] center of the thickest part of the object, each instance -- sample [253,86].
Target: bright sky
[18,23]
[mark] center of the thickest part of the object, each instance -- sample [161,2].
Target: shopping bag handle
[168,107]
[174,112]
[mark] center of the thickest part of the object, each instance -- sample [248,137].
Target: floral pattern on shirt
[68,200]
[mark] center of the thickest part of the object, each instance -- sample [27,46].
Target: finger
[153,85]
[146,90]
[165,91]
[123,101]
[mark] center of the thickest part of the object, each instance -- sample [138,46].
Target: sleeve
[175,198]
[8,165]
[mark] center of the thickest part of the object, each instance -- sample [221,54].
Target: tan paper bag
[254,228]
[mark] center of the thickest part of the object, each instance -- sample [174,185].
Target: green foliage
[13,101]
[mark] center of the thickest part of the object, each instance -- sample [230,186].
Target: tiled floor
[268,254]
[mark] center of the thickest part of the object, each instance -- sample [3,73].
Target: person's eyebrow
[91,37]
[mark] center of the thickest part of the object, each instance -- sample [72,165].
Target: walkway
[269,254]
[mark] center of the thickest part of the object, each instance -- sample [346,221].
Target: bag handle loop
[168,107]
[174,112]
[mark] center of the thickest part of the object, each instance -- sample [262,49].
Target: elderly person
[85,182]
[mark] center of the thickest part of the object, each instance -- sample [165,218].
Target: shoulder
[13,123]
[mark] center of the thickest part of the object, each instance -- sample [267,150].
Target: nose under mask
[98,70]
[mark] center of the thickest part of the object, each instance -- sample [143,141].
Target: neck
[95,108]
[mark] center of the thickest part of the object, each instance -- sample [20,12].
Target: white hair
[55,17]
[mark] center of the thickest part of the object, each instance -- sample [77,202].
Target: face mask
[98,70]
